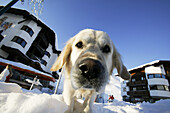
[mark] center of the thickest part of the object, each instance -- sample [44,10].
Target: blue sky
[140,29]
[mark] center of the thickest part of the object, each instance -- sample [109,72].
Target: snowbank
[13,99]
[31,103]
[9,87]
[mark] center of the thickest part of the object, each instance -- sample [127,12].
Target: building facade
[26,39]
[149,82]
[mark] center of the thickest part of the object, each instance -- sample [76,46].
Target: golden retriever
[88,60]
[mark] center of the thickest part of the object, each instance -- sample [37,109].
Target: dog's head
[90,58]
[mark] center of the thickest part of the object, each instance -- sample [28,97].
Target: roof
[22,67]
[153,63]
[28,15]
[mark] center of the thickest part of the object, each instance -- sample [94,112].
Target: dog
[88,60]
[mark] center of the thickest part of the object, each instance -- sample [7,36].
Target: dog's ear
[63,57]
[121,69]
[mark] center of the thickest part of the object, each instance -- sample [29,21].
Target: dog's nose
[90,68]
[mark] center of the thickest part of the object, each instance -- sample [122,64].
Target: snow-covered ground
[14,99]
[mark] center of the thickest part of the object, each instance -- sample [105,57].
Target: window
[157,76]
[150,76]
[144,88]
[47,53]
[124,89]
[20,41]
[133,80]
[28,30]
[163,76]
[124,82]
[43,62]
[134,88]
[160,87]
[143,78]
[166,88]
[153,87]
[23,43]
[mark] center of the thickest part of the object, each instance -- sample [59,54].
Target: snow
[113,88]
[15,99]
[31,103]
[141,66]
[144,65]
[155,70]
[9,88]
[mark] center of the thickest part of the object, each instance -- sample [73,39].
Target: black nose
[90,68]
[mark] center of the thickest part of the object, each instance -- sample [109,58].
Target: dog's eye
[106,49]
[79,44]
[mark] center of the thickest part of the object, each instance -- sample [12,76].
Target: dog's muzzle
[90,68]
[89,73]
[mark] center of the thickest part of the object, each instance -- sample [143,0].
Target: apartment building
[149,82]
[26,39]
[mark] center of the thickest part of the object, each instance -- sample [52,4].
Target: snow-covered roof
[146,65]
[25,67]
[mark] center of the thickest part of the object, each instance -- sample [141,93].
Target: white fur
[93,43]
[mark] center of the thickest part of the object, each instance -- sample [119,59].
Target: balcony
[137,83]
[138,93]
[160,93]
[158,81]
